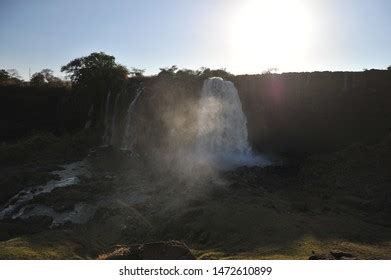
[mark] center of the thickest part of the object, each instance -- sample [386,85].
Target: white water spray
[222,131]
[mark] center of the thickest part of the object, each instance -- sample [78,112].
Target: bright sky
[246,36]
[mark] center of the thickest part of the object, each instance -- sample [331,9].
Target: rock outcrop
[333,255]
[169,250]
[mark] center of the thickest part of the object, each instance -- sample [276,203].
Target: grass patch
[301,249]
[46,245]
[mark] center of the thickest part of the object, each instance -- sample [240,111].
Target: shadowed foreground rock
[333,255]
[34,224]
[170,250]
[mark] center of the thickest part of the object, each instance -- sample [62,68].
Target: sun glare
[270,34]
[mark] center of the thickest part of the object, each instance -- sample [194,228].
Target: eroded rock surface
[169,250]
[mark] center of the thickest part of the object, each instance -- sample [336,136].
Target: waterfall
[222,131]
[127,142]
[114,120]
[89,118]
[107,120]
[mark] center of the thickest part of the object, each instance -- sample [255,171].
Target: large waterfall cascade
[222,127]
[221,138]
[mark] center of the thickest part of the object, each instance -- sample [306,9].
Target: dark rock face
[300,113]
[169,250]
[294,113]
[333,255]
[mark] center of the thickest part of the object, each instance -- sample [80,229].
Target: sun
[269,34]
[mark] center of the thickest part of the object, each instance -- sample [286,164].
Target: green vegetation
[47,245]
[137,72]
[46,78]
[202,73]
[96,71]
[95,75]
[10,77]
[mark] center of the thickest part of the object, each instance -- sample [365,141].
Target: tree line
[96,69]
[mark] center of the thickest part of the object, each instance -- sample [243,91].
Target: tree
[270,71]
[168,71]
[4,75]
[96,70]
[51,79]
[38,80]
[10,77]
[46,77]
[389,68]
[187,72]
[14,74]
[207,73]
[95,75]
[137,72]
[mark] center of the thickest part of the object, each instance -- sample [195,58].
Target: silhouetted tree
[51,79]
[389,68]
[137,72]
[37,80]
[270,71]
[4,75]
[14,74]
[96,70]
[187,72]
[168,71]
[46,78]
[207,73]
[96,75]
[10,77]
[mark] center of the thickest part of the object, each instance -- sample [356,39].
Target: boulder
[340,255]
[333,255]
[168,250]
[320,257]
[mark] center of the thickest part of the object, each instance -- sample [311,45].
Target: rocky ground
[328,206]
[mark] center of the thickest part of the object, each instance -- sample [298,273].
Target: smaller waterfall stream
[107,120]
[127,141]
[114,120]
[89,118]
